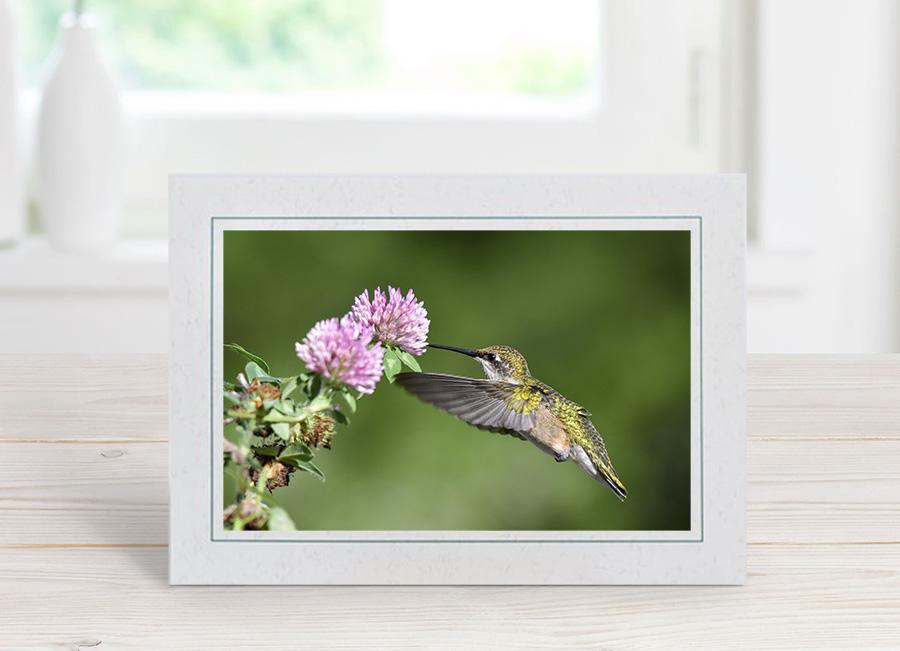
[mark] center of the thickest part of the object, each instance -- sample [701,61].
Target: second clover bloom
[339,350]
[396,320]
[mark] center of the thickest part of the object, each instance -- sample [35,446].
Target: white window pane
[528,48]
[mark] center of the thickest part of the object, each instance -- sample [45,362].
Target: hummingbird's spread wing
[488,404]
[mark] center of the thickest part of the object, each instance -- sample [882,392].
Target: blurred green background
[603,317]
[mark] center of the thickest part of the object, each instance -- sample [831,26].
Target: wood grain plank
[83,397]
[832,490]
[822,396]
[794,597]
[84,463]
[80,492]
[123,397]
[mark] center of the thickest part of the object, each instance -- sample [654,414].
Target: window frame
[619,130]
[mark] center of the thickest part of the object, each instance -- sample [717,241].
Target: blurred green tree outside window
[533,48]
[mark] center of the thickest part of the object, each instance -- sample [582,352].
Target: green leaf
[319,403]
[315,386]
[310,467]
[296,451]
[256,359]
[267,499]
[340,417]
[290,384]
[230,386]
[235,474]
[253,370]
[409,360]
[266,451]
[392,365]
[285,407]
[346,402]
[279,520]
[282,430]
[245,431]
[230,397]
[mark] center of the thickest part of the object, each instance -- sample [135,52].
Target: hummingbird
[512,402]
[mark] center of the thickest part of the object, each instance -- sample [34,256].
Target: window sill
[778,273]
[129,265]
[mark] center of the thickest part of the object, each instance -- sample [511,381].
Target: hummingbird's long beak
[456,349]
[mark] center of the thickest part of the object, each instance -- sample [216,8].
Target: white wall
[809,108]
[828,181]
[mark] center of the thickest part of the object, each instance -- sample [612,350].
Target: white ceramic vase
[12,215]
[80,142]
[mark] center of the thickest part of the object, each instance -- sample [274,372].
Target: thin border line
[212,391]
[423,217]
[212,222]
[700,366]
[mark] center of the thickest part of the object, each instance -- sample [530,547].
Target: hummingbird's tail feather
[615,485]
[594,459]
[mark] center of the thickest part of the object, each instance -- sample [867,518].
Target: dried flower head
[396,320]
[258,392]
[339,349]
[318,431]
[278,475]
[249,510]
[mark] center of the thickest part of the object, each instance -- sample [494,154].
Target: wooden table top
[83,499]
